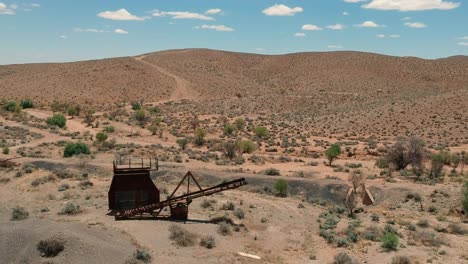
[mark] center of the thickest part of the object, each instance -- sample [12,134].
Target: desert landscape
[349,157]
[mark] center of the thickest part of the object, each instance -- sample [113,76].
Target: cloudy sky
[68,30]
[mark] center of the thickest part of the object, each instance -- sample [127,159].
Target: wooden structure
[132,186]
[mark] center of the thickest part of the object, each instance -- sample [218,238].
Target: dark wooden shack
[132,186]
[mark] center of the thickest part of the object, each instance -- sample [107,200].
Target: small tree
[89,117]
[200,134]
[57,120]
[140,116]
[350,203]
[281,187]
[437,164]
[332,153]
[182,142]
[230,149]
[406,151]
[465,198]
[101,137]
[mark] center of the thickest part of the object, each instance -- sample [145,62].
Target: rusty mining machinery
[137,185]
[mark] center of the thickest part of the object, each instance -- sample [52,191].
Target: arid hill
[339,93]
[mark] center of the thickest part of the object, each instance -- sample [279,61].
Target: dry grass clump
[19,213]
[208,242]
[343,258]
[50,247]
[181,236]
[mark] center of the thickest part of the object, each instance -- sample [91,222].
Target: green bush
[182,142]
[390,241]
[261,132]
[101,136]
[247,146]
[332,153]
[200,134]
[12,106]
[27,103]
[6,150]
[240,123]
[57,120]
[142,255]
[109,129]
[272,172]
[50,247]
[229,129]
[465,198]
[70,209]
[281,187]
[75,149]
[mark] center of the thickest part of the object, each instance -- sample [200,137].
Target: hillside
[332,93]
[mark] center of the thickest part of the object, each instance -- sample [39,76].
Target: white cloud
[411,5]
[14,6]
[310,27]
[406,18]
[63,36]
[463,43]
[345,13]
[415,25]
[282,10]
[181,15]
[300,34]
[334,47]
[4,10]
[120,14]
[336,27]
[120,31]
[394,36]
[90,30]
[464,38]
[260,49]
[213,11]
[369,24]
[380,36]
[216,27]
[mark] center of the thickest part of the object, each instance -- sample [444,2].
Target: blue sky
[66,30]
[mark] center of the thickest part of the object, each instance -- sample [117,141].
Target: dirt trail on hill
[183,88]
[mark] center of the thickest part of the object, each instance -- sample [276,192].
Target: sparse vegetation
[50,247]
[181,236]
[70,209]
[207,242]
[19,213]
[281,187]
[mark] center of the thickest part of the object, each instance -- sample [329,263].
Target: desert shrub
[75,149]
[423,223]
[381,163]
[38,181]
[332,153]
[200,134]
[261,132]
[406,151]
[50,247]
[375,218]
[207,203]
[140,116]
[70,209]
[181,236]
[109,129]
[136,106]
[101,136]
[229,206]
[239,213]
[142,255]
[247,146]
[465,198]
[182,142]
[372,233]
[401,260]
[85,184]
[240,123]
[224,228]
[19,213]
[428,238]
[27,103]
[390,241]
[229,129]
[343,258]
[342,242]
[437,164]
[281,187]
[271,172]
[57,120]
[208,242]
[12,106]
[5,150]
[63,187]
[230,149]
[457,229]
[328,235]
[74,110]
